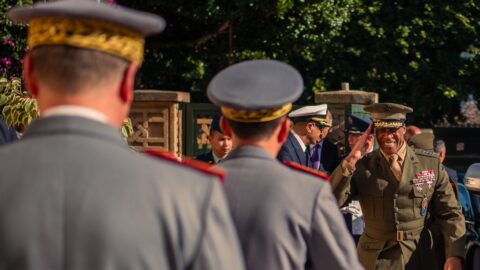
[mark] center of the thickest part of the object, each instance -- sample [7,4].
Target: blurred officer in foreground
[286,217]
[308,123]
[72,194]
[221,144]
[397,186]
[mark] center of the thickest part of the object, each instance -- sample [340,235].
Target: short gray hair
[69,70]
[438,145]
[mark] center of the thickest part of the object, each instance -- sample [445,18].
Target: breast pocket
[372,197]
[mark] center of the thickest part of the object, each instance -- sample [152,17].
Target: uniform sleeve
[342,186]
[331,245]
[448,215]
[219,247]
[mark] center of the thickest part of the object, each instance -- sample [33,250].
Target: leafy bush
[17,108]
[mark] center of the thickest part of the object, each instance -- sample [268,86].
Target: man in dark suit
[72,194]
[325,154]
[307,127]
[7,134]
[286,217]
[221,144]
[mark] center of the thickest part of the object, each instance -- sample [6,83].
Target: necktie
[395,166]
[315,158]
[308,157]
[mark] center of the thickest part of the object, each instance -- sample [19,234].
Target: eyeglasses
[322,127]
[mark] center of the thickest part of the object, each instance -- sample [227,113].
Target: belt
[395,235]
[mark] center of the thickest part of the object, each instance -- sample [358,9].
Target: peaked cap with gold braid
[88,24]
[314,113]
[256,91]
[388,115]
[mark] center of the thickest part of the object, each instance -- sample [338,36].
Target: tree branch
[194,43]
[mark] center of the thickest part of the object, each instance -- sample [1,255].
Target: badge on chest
[424,182]
[424,179]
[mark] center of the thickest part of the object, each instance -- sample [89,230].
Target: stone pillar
[343,102]
[157,120]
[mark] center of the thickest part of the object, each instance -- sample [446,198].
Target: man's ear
[28,76]
[284,130]
[128,80]
[309,127]
[226,129]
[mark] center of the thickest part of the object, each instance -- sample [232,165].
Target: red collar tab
[191,163]
[308,170]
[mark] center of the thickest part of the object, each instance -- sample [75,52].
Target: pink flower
[6,61]
[111,2]
[9,42]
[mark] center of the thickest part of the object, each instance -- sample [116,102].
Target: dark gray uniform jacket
[285,218]
[74,196]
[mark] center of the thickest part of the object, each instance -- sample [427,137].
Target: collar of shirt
[402,152]
[302,145]
[215,158]
[73,110]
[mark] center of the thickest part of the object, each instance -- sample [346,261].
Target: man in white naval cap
[286,217]
[310,129]
[308,122]
[72,193]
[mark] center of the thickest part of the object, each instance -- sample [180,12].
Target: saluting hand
[360,148]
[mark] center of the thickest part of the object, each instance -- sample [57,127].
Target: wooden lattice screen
[157,120]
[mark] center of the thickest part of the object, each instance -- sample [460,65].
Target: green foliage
[16,106]
[202,37]
[12,40]
[421,53]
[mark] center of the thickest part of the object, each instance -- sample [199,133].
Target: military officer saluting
[397,186]
[286,218]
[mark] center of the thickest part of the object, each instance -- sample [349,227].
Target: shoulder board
[188,162]
[308,170]
[424,152]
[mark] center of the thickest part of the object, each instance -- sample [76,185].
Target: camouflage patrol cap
[422,141]
[388,115]
[88,24]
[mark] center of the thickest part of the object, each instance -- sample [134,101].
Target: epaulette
[428,153]
[308,170]
[191,163]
